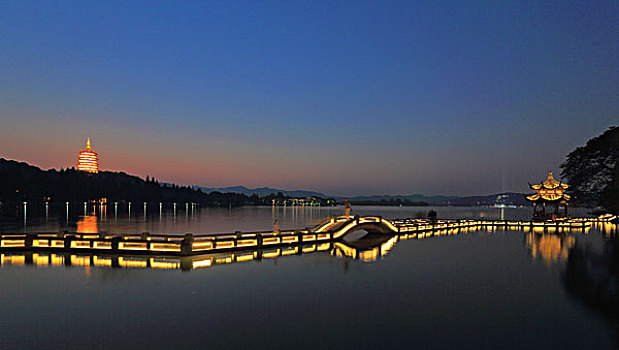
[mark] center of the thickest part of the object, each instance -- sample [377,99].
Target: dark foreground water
[479,288]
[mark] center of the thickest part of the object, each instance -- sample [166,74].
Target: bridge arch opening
[355,235]
[370,227]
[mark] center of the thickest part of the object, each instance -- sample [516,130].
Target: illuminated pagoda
[88,160]
[549,193]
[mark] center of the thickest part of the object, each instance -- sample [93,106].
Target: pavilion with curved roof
[549,193]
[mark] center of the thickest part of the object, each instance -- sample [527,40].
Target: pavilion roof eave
[543,200]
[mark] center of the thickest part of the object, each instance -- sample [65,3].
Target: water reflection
[590,262]
[87,224]
[357,250]
[370,247]
[549,247]
[148,262]
[468,289]
[592,274]
[64,216]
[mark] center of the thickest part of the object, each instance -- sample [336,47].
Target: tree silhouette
[593,171]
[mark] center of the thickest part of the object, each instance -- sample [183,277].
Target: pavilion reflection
[552,245]
[549,247]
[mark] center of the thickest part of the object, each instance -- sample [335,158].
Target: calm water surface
[480,288]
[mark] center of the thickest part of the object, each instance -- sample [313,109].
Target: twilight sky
[363,97]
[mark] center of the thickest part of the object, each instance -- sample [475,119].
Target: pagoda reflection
[87,224]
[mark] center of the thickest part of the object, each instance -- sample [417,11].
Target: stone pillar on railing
[144,236]
[299,247]
[115,243]
[29,240]
[259,242]
[187,244]
[67,240]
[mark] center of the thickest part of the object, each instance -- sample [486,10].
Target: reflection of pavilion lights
[549,247]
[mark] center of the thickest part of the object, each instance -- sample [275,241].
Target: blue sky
[437,97]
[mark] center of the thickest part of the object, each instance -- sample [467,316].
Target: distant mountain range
[264,191]
[507,198]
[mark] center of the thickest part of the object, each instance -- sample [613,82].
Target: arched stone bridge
[343,225]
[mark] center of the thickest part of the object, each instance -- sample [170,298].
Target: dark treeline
[21,182]
[592,171]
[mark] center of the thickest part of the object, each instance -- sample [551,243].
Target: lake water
[479,288]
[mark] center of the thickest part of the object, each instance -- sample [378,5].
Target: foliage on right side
[593,171]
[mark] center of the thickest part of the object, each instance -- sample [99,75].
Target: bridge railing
[334,228]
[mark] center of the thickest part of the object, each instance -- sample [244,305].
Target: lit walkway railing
[333,229]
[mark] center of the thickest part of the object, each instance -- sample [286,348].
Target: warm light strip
[202,263]
[289,239]
[246,242]
[160,247]
[164,264]
[324,246]
[272,254]
[80,244]
[132,262]
[246,257]
[132,246]
[289,251]
[102,262]
[309,249]
[40,243]
[12,243]
[273,240]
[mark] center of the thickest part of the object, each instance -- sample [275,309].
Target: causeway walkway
[331,230]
